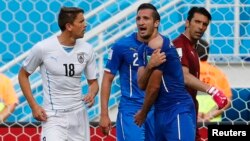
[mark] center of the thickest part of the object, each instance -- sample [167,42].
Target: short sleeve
[114,59]
[91,71]
[180,48]
[34,59]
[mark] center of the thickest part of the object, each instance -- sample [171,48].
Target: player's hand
[157,58]
[89,99]
[218,96]
[39,113]
[105,124]
[140,118]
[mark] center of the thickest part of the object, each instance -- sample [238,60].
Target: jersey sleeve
[114,59]
[167,44]
[91,70]
[180,48]
[34,59]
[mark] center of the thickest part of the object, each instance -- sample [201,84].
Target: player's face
[146,24]
[79,26]
[197,26]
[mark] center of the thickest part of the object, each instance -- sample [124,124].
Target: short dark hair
[202,48]
[68,15]
[156,15]
[200,10]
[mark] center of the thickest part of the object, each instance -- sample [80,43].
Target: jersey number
[135,62]
[69,69]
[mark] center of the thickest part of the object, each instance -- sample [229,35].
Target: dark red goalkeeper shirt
[189,58]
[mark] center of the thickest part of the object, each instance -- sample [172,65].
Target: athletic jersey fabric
[61,71]
[172,90]
[175,116]
[123,58]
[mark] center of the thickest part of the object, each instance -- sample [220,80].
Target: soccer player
[8,98]
[174,107]
[123,58]
[211,75]
[62,60]
[196,24]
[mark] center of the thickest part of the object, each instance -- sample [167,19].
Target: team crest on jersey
[179,51]
[80,57]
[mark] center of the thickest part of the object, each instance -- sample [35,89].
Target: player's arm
[92,92]
[150,97]
[37,111]
[224,85]
[193,82]
[143,76]
[105,122]
[144,73]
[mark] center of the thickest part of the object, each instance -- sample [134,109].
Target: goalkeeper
[198,19]
[211,75]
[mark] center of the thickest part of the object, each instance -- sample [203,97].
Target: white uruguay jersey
[61,71]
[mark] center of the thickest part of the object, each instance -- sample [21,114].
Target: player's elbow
[23,74]
[153,88]
[141,85]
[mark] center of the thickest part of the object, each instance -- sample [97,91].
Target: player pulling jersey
[174,108]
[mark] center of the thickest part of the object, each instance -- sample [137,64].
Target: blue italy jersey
[123,58]
[172,90]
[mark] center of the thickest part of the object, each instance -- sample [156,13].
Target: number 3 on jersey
[69,69]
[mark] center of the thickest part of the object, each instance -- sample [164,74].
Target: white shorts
[67,125]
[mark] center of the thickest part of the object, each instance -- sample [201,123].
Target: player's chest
[131,56]
[65,64]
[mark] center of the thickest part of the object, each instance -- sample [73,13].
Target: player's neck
[146,40]
[66,40]
[187,34]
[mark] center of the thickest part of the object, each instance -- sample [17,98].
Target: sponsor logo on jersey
[179,51]
[53,58]
[133,49]
[80,57]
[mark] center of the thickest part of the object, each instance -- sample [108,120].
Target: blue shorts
[173,126]
[127,130]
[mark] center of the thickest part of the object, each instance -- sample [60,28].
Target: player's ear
[187,23]
[68,26]
[156,24]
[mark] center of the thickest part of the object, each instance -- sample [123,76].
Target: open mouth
[142,29]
